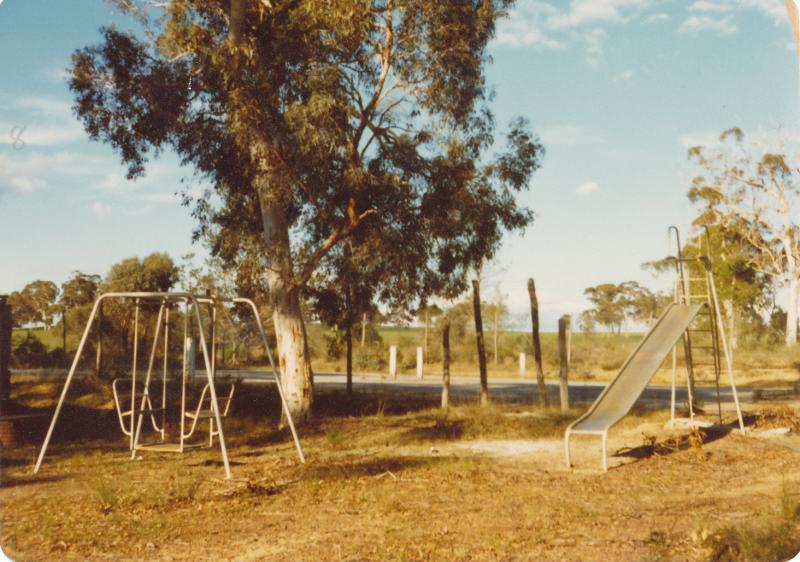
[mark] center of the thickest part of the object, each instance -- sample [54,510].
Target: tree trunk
[64,334]
[537,346]
[476,305]
[363,328]
[287,317]
[495,335]
[791,309]
[427,319]
[731,313]
[348,334]
[290,333]
[446,364]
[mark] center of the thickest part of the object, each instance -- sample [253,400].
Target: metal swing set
[209,405]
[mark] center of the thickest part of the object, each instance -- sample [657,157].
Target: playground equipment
[208,406]
[693,315]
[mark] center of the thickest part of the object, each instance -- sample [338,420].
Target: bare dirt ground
[389,480]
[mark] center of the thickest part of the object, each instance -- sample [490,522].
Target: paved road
[517,390]
[512,390]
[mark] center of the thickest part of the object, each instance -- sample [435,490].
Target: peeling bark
[293,358]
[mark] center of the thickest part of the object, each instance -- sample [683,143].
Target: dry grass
[387,478]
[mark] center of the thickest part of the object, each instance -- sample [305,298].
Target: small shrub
[30,353]
[335,438]
[370,358]
[108,496]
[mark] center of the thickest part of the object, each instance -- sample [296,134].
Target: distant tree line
[63,312]
[615,304]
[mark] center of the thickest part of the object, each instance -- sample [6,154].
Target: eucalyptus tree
[35,303]
[77,292]
[609,305]
[313,121]
[752,194]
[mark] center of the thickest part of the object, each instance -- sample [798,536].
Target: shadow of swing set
[209,406]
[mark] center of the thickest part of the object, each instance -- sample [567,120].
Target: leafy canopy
[361,120]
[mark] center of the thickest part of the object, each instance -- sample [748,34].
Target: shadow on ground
[696,439]
[344,469]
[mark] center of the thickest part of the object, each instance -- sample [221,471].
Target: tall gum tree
[753,195]
[315,122]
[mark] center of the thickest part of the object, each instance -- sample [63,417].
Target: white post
[191,357]
[393,362]
[522,365]
[419,363]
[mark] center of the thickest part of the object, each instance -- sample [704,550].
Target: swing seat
[206,412]
[122,403]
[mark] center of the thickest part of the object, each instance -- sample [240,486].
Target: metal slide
[621,394]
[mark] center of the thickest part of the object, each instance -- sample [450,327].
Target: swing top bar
[155,296]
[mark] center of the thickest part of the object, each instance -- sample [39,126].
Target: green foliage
[609,305]
[35,304]
[748,196]
[613,304]
[32,353]
[79,290]
[364,122]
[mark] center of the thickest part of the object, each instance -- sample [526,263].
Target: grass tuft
[776,538]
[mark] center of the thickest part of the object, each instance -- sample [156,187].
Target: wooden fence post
[537,346]
[446,364]
[419,363]
[476,305]
[349,361]
[564,330]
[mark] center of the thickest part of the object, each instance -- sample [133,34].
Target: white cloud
[28,170]
[24,135]
[569,135]
[587,187]
[541,24]
[595,52]
[524,33]
[707,23]
[625,75]
[100,209]
[659,17]
[22,184]
[41,122]
[706,6]
[588,11]
[525,24]
[46,106]
[772,8]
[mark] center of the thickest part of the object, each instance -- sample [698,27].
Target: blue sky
[616,89]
